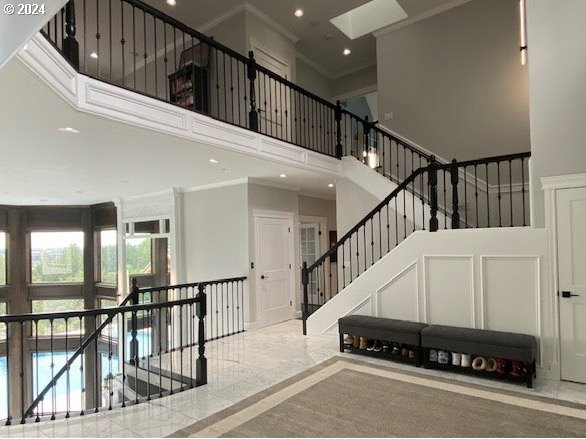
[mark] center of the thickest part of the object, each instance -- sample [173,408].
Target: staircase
[457,195]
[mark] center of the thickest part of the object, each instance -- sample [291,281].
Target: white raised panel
[510,293]
[398,298]
[363,308]
[99,98]
[449,290]
[136,108]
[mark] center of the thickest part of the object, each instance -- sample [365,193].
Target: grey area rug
[352,403]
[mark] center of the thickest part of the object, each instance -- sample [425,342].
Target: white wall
[352,204]
[454,81]
[557,68]
[355,83]
[486,278]
[215,233]
[311,206]
[313,81]
[259,32]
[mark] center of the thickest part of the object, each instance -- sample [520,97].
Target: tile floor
[238,367]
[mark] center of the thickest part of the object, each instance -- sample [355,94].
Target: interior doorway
[274,258]
[571,244]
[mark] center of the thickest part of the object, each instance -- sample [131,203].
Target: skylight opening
[369,17]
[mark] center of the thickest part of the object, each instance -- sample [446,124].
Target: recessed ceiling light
[214,161]
[68,130]
[171,2]
[283,175]
[346,52]
[299,12]
[94,55]
[331,185]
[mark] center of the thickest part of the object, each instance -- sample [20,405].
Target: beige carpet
[347,398]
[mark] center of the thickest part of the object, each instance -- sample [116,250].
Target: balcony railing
[133,45]
[152,345]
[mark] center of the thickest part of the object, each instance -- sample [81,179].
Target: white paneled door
[571,237]
[274,269]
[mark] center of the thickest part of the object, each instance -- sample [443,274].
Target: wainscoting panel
[511,293]
[398,298]
[449,290]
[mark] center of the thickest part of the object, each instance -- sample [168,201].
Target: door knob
[568,294]
[262,276]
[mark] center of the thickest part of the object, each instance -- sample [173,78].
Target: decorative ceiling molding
[272,23]
[247,7]
[303,58]
[204,28]
[416,18]
[355,69]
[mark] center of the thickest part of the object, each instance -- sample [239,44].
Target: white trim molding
[416,18]
[563,181]
[105,100]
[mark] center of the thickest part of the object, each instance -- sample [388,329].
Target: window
[138,256]
[108,260]
[2,258]
[56,257]
[60,327]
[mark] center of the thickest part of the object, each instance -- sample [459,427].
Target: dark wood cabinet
[188,86]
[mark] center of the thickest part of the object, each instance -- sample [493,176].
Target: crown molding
[271,23]
[210,186]
[301,56]
[355,69]
[273,184]
[204,28]
[417,18]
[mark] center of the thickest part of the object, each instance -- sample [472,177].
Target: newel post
[134,325]
[70,44]
[253,114]
[433,222]
[201,364]
[338,117]
[305,307]
[455,208]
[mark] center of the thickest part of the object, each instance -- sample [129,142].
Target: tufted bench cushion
[379,328]
[480,342]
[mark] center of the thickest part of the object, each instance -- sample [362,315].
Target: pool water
[41,371]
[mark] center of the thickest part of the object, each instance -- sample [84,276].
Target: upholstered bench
[382,329]
[482,343]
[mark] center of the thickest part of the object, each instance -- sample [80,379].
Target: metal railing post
[133,351]
[455,208]
[201,364]
[70,44]
[433,222]
[253,114]
[305,307]
[338,117]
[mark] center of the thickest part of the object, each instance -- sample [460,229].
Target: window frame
[100,284]
[29,260]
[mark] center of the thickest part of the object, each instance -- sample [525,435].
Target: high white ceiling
[108,159]
[320,41]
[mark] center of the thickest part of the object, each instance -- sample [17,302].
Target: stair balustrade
[489,192]
[151,345]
